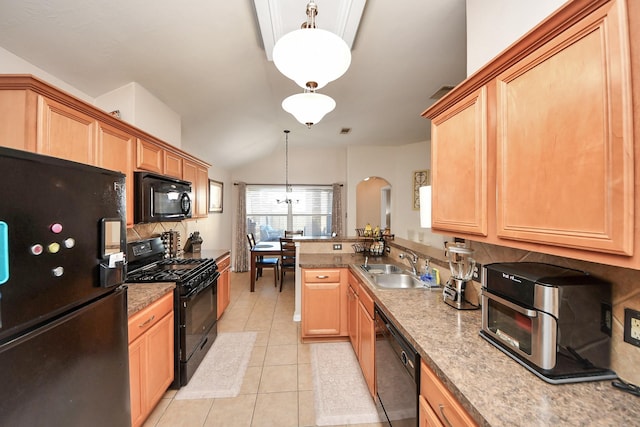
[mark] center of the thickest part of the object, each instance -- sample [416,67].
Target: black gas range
[196,305]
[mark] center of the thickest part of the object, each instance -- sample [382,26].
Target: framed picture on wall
[215,196]
[420,179]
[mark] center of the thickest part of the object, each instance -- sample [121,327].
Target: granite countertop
[493,388]
[140,295]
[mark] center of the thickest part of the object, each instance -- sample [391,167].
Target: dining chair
[287,257]
[288,233]
[264,262]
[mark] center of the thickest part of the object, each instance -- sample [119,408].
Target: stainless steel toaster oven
[555,321]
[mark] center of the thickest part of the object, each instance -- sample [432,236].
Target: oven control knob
[58,271]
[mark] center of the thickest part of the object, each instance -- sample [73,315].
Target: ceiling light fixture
[287,187]
[309,107]
[310,56]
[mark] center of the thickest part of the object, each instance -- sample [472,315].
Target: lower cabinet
[438,406]
[324,303]
[150,356]
[224,290]
[362,333]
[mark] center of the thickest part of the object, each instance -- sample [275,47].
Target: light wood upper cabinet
[149,157]
[65,132]
[37,117]
[18,119]
[198,176]
[115,152]
[172,164]
[459,166]
[536,150]
[564,140]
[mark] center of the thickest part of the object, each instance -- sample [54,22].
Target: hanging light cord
[286,161]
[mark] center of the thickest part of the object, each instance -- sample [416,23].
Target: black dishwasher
[397,374]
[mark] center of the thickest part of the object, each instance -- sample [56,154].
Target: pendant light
[310,56]
[287,187]
[309,107]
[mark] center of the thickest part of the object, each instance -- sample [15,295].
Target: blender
[461,265]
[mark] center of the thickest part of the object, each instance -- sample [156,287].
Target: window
[310,211]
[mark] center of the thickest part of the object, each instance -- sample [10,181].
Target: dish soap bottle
[428,277]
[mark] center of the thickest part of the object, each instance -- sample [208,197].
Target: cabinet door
[565,155]
[459,166]
[115,152]
[65,133]
[224,291]
[352,317]
[149,157]
[18,119]
[172,165]
[159,363]
[321,309]
[199,179]
[202,192]
[366,343]
[137,354]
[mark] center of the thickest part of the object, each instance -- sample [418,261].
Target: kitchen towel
[340,391]
[222,370]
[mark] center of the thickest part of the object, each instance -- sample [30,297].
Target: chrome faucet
[413,260]
[366,261]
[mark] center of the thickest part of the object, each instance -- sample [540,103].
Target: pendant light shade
[311,57]
[308,108]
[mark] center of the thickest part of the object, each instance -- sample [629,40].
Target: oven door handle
[515,307]
[201,288]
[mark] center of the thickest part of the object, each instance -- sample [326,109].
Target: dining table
[262,249]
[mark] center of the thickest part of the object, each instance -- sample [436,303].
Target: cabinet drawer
[444,404]
[224,263]
[321,276]
[149,316]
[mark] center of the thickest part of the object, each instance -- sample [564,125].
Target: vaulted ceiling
[205,60]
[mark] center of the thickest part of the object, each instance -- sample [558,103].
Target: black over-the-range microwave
[160,198]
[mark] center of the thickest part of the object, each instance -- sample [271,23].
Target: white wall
[12,64]
[493,25]
[395,164]
[142,109]
[216,230]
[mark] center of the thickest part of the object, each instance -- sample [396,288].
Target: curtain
[241,258]
[336,211]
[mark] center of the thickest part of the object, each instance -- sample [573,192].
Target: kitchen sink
[381,268]
[397,281]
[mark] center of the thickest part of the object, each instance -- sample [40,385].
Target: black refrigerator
[63,311]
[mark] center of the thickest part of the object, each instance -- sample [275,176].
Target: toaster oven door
[527,334]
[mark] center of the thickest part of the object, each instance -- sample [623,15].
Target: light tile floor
[277,388]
